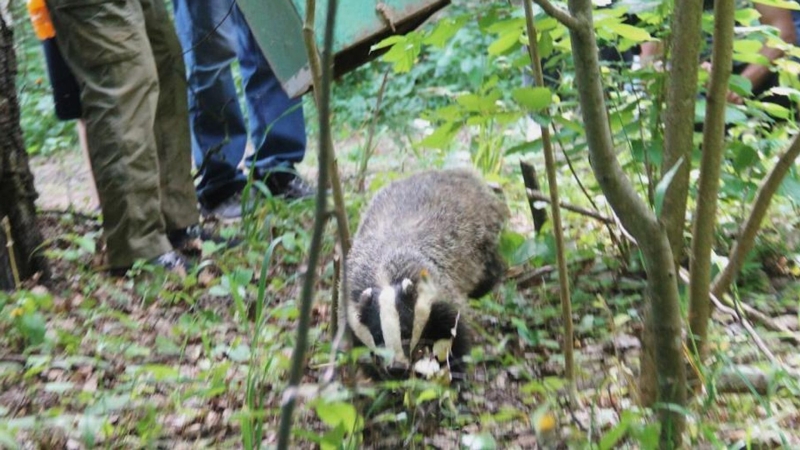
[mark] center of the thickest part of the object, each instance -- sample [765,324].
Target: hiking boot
[289,185]
[171,261]
[230,210]
[189,240]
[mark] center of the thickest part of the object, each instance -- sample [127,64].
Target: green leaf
[426,395]
[790,187]
[32,326]
[744,156]
[631,32]
[441,137]
[746,16]
[389,41]
[240,353]
[612,438]
[505,42]
[403,52]
[219,291]
[740,85]
[526,251]
[661,188]
[774,110]
[747,46]
[333,439]
[86,243]
[479,103]
[59,387]
[483,441]
[533,98]
[335,413]
[510,241]
[161,372]
[445,29]
[785,4]
[529,337]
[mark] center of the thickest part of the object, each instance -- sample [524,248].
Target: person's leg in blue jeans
[208,33]
[277,125]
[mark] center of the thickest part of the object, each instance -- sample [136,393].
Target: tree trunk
[679,116]
[17,193]
[664,320]
[706,211]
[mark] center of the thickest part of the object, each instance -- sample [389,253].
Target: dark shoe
[289,185]
[189,240]
[171,261]
[230,210]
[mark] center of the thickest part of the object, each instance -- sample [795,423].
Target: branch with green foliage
[710,167]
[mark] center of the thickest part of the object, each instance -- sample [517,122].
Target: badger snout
[397,369]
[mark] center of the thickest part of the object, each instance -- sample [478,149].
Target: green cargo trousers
[128,62]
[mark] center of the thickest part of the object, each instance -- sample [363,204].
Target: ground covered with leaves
[158,360]
[155,360]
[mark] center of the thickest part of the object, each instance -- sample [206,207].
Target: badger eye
[418,353]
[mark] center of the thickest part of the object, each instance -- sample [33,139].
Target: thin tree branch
[339,210]
[564,17]
[322,93]
[679,117]
[538,196]
[708,185]
[552,181]
[365,157]
[747,234]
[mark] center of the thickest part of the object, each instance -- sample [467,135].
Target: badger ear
[407,284]
[365,295]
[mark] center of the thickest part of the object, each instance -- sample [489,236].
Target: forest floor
[158,361]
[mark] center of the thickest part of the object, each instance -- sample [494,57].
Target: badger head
[406,322]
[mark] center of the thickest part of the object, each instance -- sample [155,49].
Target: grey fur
[443,222]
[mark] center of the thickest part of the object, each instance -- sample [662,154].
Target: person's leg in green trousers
[137,133]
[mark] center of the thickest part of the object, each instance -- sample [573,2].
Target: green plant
[22,315]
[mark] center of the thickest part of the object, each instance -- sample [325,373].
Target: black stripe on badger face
[406,298]
[370,317]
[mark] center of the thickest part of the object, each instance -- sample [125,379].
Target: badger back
[450,218]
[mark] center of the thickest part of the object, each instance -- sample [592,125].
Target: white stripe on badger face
[390,323]
[422,311]
[361,331]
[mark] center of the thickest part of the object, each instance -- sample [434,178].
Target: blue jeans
[213,34]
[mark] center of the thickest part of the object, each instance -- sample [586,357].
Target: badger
[425,244]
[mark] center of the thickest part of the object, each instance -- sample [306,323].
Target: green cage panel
[278,28]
